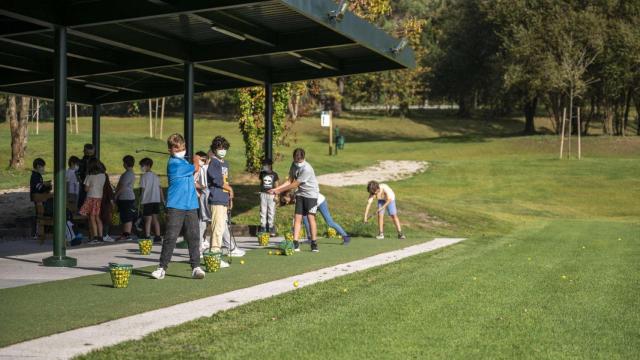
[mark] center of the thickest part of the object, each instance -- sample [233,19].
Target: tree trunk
[18,116]
[529,115]
[627,105]
[637,101]
[592,108]
[463,110]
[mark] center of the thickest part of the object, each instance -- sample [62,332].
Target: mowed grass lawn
[542,274]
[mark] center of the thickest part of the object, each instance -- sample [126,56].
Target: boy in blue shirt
[182,208]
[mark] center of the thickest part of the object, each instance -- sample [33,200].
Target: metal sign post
[326,121]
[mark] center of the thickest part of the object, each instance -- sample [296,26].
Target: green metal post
[59,258]
[268,121]
[95,129]
[188,120]
[188,107]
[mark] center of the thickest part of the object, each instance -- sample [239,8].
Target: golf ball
[295,283]
[241,262]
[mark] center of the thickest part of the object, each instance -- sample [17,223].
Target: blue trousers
[323,209]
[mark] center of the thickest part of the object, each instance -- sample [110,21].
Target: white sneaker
[380,236]
[237,252]
[108,238]
[224,264]
[197,273]
[158,274]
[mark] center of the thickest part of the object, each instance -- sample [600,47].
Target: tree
[464,54]
[18,117]
[251,121]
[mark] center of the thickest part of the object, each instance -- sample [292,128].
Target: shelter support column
[268,121]
[188,107]
[95,129]
[59,258]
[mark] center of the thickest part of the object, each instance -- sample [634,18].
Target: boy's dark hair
[175,141]
[38,162]
[298,154]
[89,147]
[146,162]
[102,168]
[372,187]
[267,162]
[92,167]
[203,155]
[219,142]
[73,160]
[129,161]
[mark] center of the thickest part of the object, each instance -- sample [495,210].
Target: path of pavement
[21,260]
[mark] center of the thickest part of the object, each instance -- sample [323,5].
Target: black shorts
[127,210]
[150,209]
[306,206]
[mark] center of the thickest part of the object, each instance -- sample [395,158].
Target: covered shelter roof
[136,49]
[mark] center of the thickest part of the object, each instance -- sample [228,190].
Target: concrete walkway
[80,341]
[21,261]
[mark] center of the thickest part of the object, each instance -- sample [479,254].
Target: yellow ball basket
[212,261]
[288,236]
[120,274]
[332,233]
[263,239]
[145,245]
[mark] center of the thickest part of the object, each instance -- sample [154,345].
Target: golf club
[151,151]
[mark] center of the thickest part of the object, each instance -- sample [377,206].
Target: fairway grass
[509,195]
[551,289]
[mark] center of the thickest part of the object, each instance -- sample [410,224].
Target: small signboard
[325,119]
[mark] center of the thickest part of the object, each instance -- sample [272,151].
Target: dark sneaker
[296,245]
[346,240]
[401,236]
[314,246]
[272,232]
[157,239]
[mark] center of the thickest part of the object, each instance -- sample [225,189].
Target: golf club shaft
[151,151]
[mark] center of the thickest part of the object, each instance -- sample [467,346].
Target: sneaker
[272,232]
[261,229]
[159,273]
[296,246]
[224,264]
[346,240]
[401,236]
[380,236]
[197,273]
[124,237]
[314,246]
[95,241]
[237,252]
[108,239]
[156,240]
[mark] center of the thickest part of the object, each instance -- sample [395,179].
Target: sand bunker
[387,170]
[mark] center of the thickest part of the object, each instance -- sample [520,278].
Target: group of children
[199,199]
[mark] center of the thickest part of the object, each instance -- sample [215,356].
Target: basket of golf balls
[286,248]
[263,239]
[212,261]
[332,233]
[145,245]
[120,274]
[288,236]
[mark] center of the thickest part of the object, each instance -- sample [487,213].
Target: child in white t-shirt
[386,200]
[151,196]
[73,185]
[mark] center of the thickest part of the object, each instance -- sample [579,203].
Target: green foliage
[251,121]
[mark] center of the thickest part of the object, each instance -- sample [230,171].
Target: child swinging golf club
[182,208]
[302,177]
